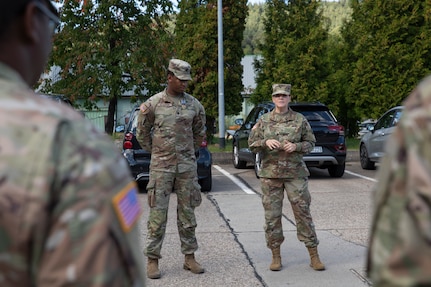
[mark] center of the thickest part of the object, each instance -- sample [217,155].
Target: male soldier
[172,126]
[68,206]
[281,137]
[400,242]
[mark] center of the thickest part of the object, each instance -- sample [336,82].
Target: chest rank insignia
[126,206]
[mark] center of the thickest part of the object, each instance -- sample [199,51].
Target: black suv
[139,159]
[329,151]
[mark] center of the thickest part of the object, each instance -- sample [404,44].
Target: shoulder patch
[126,206]
[145,108]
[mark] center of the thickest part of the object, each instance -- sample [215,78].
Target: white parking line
[361,176]
[235,180]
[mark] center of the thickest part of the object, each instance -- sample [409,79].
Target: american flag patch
[127,206]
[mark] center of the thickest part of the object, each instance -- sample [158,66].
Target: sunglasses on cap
[280,95]
[54,20]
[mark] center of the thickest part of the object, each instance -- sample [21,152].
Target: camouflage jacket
[290,126]
[172,128]
[400,240]
[61,186]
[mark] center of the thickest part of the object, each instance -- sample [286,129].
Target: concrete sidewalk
[233,251]
[344,260]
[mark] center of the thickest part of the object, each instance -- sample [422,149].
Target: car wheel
[366,163]
[337,170]
[237,162]
[257,164]
[206,183]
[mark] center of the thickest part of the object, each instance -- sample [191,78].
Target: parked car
[364,127]
[328,153]
[371,147]
[57,98]
[139,159]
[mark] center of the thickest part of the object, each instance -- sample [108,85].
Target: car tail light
[337,128]
[204,143]
[340,147]
[127,144]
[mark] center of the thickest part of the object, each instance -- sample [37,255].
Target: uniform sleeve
[199,128]
[145,123]
[308,139]
[91,240]
[256,139]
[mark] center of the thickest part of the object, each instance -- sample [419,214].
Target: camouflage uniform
[400,242]
[284,171]
[61,182]
[172,128]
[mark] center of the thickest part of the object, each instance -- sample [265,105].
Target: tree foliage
[294,51]
[197,43]
[388,40]
[107,48]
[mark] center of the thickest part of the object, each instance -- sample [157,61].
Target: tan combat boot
[153,271]
[276,260]
[191,264]
[315,260]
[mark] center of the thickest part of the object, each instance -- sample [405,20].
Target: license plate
[317,149]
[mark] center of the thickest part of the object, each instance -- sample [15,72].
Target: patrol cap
[17,5]
[180,68]
[283,89]
[13,9]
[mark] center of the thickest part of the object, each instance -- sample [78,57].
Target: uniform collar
[9,74]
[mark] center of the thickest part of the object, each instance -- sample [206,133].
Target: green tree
[294,51]
[107,48]
[390,50]
[196,42]
[254,29]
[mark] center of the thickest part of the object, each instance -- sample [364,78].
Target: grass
[214,146]
[352,143]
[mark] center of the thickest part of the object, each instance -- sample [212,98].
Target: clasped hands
[287,146]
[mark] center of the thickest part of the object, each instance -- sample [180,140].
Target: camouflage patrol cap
[283,89]
[181,69]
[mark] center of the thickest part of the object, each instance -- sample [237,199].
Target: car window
[397,116]
[253,116]
[135,122]
[317,116]
[386,121]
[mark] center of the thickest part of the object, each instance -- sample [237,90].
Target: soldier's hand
[289,147]
[272,144]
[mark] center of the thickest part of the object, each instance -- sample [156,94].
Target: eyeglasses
[54,21]
[279,95]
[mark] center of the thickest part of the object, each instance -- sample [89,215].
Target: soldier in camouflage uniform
[172,126]
[400,242]
[68,205]
[281,137]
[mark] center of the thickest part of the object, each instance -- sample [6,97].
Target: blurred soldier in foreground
[281,137]
[68,206]
[400,242]
[172,126]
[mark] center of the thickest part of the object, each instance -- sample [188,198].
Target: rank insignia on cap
[126,206]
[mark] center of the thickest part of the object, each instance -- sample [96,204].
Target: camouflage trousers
[160,187]
[300,199]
